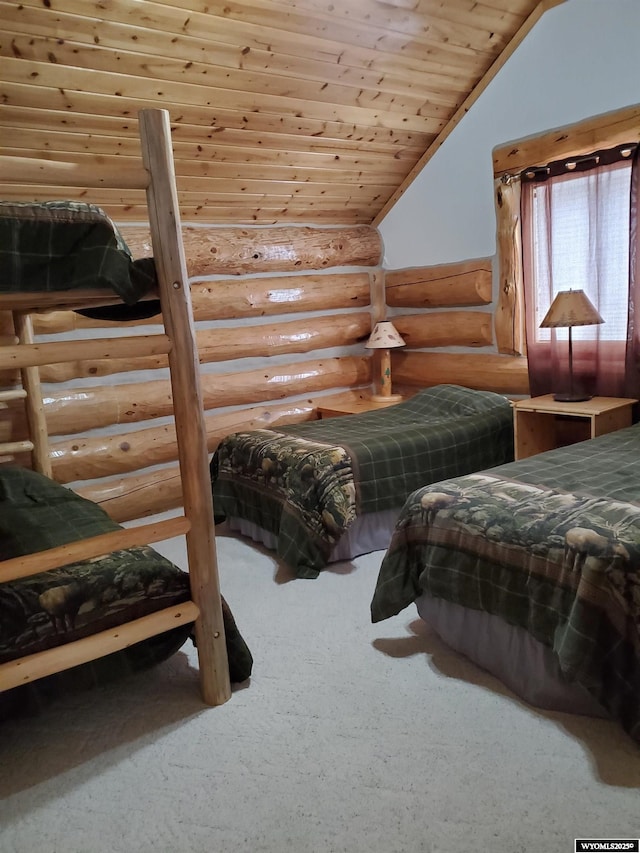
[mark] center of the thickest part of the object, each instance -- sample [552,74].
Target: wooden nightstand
[355,407]
[535,420]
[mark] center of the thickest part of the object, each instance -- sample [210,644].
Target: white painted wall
[580,60]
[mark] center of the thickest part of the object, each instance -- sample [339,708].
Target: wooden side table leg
[610,421]
[534,432]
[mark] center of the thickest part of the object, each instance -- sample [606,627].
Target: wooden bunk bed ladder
[157,177]
[31,392]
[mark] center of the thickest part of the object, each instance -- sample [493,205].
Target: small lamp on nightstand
[571,308]
[383,338]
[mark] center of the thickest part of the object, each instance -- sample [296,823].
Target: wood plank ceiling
[283,111]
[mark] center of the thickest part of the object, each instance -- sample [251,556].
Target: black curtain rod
[581,163]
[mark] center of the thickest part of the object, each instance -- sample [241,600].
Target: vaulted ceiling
[283,111]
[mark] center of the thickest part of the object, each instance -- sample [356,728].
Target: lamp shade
[384,336]
[571,308]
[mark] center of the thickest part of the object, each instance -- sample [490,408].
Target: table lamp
[571,308]
[383,337]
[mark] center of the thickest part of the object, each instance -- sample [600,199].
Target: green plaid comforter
[64,245]
[550,544]
[49,609]
[307,483]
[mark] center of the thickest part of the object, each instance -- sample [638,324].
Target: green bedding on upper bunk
[64,245]
[306,483]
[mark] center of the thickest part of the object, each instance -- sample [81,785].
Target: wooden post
[34,405]
[509,315]
[175,299]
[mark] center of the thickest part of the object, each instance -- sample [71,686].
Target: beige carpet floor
[349,737]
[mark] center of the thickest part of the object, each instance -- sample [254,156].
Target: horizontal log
[121,348]
[106,456]
[253,297]
[236,251]
[265,297]
[466,283]
[501,373]
[139,496]
[228,343]
[446,328]
[583,137]
[147,493]
[81,409]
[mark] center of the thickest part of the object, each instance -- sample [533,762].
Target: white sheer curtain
[576,236]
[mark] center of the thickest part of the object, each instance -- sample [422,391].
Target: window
[576,217]
[509,161]
[578,238]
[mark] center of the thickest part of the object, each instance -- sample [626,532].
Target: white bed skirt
[523,664]
[371,532]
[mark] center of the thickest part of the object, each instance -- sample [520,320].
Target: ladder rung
[30,355]
[13,394]
[16,446]
[22,670]
[95,546]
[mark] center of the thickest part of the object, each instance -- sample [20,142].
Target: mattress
[549,545]
[46,610]
[522,663]
[367,533]
[306,484]
[64,245]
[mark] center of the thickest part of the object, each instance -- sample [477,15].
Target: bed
[46,610]
[532,569]
[331,489]
[74,586]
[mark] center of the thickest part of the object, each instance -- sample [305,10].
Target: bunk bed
[532,570]
[332,489]
[75,587]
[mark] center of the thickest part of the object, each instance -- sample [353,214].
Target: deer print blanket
[49,609]
[550,544]
[306,483]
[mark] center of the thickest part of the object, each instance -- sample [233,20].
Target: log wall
[449,318]
[281,314]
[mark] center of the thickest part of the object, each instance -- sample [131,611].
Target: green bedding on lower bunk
[48,609]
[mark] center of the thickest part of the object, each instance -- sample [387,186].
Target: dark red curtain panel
[632,375]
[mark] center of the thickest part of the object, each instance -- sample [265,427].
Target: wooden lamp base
[382,393]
